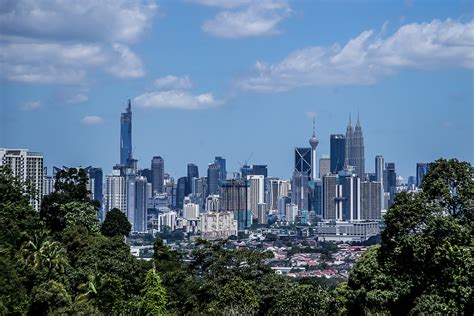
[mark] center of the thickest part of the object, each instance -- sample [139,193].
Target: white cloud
[225,4]
[368,57]
[30,105]
[175,99]
[92,120]
[82,20]
[245,18]
[127,65]
[78,98]
[173,82]
[60,41]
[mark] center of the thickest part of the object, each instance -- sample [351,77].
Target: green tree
[48,258]
[70,186]
[80,214]
[153,301]
[237,297]
[48,298]
[302,300]
[426,250]
[115,224]
[18,219]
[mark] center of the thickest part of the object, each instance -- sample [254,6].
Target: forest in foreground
[62,261]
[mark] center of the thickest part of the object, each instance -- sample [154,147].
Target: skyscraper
[28,167]
[213,178]
[422,169]
[313,142]
[234,199]
[332,198]
[338,152]
[358,151]
[157,174]
[222,170]
[180,192]
[115,192]
[370,201]
[348,160]
[255,193]
[350,184]
[138,193]
[303,160]
[260,170]
[379,165]
[126,135]
[354,149]
[324,166]
[300,193]
[192,172]
[391,181]
[277,188]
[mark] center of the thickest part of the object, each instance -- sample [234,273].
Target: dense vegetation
[61,261]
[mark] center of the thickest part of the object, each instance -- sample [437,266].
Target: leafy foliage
[60,262]
[424,263]
[115,224]
[153,300]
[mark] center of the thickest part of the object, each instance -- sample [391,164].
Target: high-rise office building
[337,153]
[354,149]
[255,193]
[157,174]
[276,189]
[282,202]
[303,160]
[96,179]
[213,178]
[245,171]
[348,160]
[391,181]
[138,194]
[317,199]
[115,192]
[222,169]
[147,174]
[192,173]
[28,167]
[234,199]
[313,142]
[324,166]
[180,192]
[370,201]
[350,184]
[260,170]
[126,135]
[358,150]
[300,190]
[332,198]
[379,172]
[422,169]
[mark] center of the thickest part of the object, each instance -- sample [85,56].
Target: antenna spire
[314,128]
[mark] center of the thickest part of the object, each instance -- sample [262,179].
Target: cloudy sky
[236,79]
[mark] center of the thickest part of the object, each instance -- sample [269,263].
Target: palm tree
[48,256]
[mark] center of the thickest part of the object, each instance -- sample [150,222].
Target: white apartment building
[28,167]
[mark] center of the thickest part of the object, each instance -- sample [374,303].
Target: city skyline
[192,107]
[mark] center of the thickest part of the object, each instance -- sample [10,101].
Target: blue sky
[234,78]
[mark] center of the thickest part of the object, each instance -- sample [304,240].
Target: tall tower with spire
[349,135]
[126,135]
[357,150]
[313,142]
